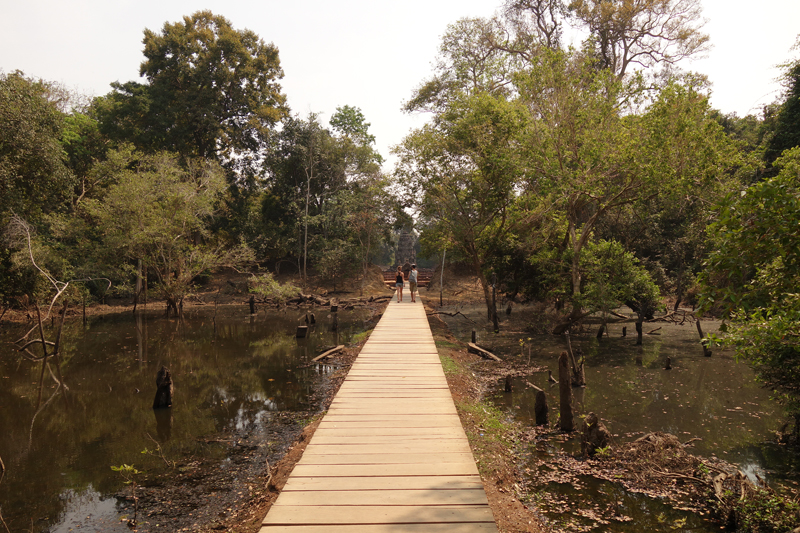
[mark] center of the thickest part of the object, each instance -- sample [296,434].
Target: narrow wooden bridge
[390,455]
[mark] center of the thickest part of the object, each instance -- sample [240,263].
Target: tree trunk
[566,421]
[495,321]
[639,332]
[703,340]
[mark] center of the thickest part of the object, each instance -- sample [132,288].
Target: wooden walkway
[390,454]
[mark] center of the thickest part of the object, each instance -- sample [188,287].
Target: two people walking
[412,283]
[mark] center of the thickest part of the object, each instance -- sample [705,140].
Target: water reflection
[235,376]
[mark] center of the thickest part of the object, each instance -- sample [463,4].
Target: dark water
[715,400]
[59,459]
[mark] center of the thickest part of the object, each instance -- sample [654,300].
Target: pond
[233,378]
[714,400]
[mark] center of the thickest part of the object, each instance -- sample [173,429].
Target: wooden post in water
[566,421]
[252,304]
[624,331]
[474,337]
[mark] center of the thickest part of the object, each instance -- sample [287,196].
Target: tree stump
[566,421]
[595,435]
[252,303]
[164,389]
[509,385]
[302,332]
[540,407]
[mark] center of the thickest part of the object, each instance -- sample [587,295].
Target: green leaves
[212,91]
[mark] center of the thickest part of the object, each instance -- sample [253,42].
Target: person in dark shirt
[399,282]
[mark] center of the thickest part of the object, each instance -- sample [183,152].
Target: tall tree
[212,91]
[460,173]
[34,177]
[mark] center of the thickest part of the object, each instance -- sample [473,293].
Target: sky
[369,54]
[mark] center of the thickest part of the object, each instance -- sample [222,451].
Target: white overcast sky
[365,53]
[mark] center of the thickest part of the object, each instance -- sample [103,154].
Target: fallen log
[486,354]
[330,352]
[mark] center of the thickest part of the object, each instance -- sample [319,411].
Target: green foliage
[614,276]
[764,511]
[128,472]
[266,286]
[786,129]
[752,277]
[212,91]
[160,212]
[33,176]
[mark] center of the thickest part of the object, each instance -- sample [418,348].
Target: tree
[786,132]
[580,149]
[212,91]
[34,178]
[470,60]
[690,164]
[752,277]
[160,212]
[643,33]
[460,172]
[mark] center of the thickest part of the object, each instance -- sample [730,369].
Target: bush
[265,286]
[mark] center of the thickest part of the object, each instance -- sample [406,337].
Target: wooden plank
[381,470]
[383,483]
[368,449]
[376,514]
[406,459]
[384,528]
[390,432]
[387,497]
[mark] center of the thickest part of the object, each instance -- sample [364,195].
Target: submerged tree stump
[566,421]
[595,435]
[540,406]
[164,389]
